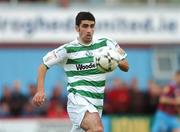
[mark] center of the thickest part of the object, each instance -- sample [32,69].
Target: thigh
[176,130]
[77,107]
[91,120]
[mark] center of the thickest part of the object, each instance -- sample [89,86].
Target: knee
[98,129]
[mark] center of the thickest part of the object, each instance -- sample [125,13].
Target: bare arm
[39,97]
[167,100]
[41,77]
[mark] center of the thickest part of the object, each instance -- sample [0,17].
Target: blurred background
[148,30]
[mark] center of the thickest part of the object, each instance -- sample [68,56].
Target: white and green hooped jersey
[83,76]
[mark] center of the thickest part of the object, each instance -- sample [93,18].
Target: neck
[84,43]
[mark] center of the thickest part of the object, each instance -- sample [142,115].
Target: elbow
[123,65]
[125,69]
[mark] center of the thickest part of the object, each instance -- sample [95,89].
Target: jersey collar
[78,40]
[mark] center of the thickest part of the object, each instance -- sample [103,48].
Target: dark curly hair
[84,16]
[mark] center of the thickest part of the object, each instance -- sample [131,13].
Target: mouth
[88,36]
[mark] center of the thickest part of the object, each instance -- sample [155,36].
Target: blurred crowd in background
[15,103]
[67,3]
[121,98]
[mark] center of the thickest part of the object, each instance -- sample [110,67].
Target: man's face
[86,30]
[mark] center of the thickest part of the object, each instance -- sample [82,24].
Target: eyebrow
[88,25]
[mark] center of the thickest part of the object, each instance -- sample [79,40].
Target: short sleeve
[114,45]
[56,56]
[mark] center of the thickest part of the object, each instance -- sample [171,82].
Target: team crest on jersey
[89,53]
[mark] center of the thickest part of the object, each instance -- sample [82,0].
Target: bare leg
[176,130]
[92,122]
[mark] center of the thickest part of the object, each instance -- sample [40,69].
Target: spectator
[4,110]
[29,111]
[56,107]
[32,0]
[153,94]
[137,98]
[17,100]
[56,110]
[57,96]
[6,95]
[4,0]
[64,3]
[112,2]
[167,115]
[31,90]
[4,102]
[119,94]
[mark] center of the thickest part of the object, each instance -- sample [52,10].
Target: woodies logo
[85,67]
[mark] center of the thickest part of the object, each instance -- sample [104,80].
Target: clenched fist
[39,98]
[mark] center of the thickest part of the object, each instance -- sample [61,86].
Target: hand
[38,98]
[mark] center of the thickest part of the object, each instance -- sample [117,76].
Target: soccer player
[166,119]
[85,82]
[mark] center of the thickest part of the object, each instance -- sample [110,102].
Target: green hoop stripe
[88,83]
[80,60]
[84,48]
[87,93]
[98,107]
[83,72]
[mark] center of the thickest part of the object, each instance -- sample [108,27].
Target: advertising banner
[131,124]
[124,25]
[35,125]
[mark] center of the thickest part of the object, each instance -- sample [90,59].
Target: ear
[77,28]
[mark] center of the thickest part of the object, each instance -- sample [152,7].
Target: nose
[89,29]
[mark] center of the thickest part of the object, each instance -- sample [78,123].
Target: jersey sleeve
[114,45]
[56,56]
